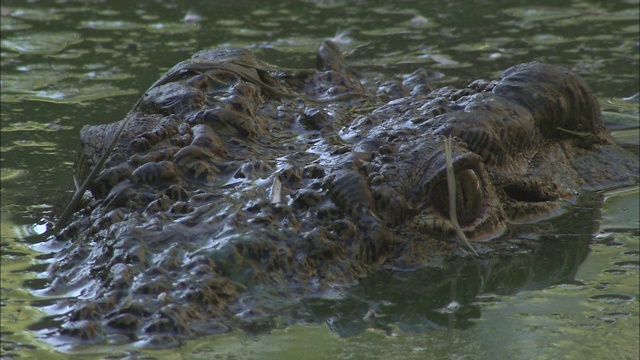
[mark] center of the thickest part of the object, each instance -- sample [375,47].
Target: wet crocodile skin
[237,187]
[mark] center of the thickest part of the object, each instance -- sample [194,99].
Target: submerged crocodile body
[235,181]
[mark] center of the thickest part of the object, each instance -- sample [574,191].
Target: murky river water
[70,63]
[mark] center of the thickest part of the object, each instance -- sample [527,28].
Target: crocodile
[234,185]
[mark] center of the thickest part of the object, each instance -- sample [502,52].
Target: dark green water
[70,63]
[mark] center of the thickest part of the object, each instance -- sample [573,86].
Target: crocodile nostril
[468,196]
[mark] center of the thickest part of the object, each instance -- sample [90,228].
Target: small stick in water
[451,182]
[66,214]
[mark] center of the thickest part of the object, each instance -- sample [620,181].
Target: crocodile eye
[468,196]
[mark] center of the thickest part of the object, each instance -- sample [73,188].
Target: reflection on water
[569,294]
[422,300]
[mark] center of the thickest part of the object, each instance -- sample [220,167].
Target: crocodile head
[232,183]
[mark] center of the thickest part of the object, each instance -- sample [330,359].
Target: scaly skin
[184,233]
